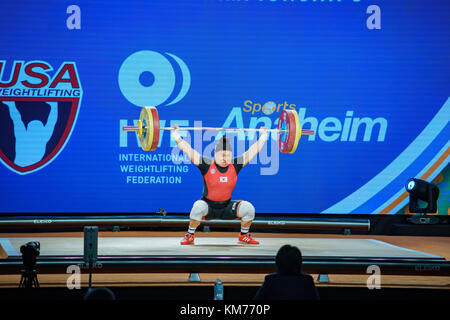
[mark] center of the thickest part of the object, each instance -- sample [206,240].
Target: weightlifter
[219,179]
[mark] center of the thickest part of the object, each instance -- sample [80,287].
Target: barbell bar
[136,129]
[289,129]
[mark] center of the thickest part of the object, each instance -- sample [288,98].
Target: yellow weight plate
[146,138]
[140,128]
[298,131]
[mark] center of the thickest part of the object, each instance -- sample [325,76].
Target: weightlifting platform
[217,246]
[222,254]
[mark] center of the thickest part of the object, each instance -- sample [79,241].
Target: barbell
[289,129]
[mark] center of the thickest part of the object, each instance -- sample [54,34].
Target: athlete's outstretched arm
[256,147]
[185,147]
[19,127]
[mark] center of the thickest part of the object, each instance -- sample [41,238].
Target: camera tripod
[29,279]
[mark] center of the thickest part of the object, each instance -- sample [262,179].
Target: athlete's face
[223,158]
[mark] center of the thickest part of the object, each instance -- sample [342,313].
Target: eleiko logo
[149,78]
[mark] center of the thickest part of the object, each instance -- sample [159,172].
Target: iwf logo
[149,78]
[38,110]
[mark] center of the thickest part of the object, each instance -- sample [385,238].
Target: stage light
[422,190]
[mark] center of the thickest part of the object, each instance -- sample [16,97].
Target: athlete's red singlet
[220,186]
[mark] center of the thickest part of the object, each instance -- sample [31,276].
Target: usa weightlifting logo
[38,111]
[149,78]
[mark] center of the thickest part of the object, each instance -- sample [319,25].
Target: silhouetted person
[288,283]
[99,293]
[31,142]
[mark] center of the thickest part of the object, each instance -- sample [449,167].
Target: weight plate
[147,134]
[156,130]
[286,139]
[298,131]
[140,129]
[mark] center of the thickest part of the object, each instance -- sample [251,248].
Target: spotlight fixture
[422,190]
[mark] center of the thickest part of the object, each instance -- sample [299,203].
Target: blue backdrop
[373,82]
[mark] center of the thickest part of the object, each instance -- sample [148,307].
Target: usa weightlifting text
[225,309]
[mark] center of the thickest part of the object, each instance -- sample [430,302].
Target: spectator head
[99,294]
[289,260]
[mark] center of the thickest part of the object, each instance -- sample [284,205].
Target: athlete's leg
[245,211]
[198,211]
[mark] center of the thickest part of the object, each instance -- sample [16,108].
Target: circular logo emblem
[213,171]
[148,78]
[269,107]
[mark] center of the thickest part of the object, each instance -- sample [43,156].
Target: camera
[30,251]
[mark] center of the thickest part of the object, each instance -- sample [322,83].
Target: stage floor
[213,243]
[217,246]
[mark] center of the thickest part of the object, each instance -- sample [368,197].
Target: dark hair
[223,145]
[99,293]
[289,260]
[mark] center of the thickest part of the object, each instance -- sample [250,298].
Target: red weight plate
[291,131]
[281,120]
[155,129]
[288,118]
[283,123]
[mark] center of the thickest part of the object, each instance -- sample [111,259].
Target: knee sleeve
[246,211]
[199,210]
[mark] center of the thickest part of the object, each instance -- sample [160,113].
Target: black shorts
[222,210]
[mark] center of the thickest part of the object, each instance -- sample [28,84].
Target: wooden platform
[214,246]
[417,246]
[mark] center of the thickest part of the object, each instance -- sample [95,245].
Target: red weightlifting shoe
[247,239]
[188,239]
